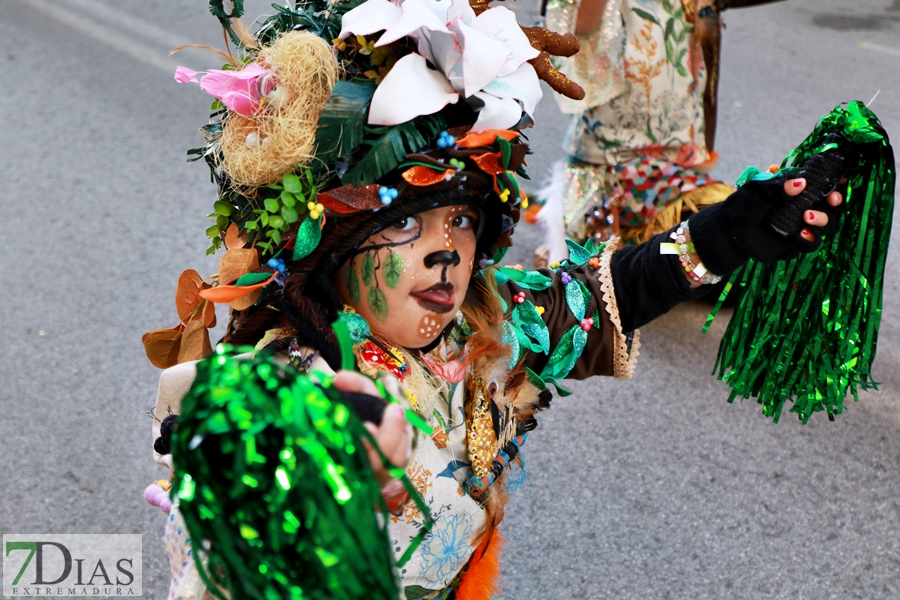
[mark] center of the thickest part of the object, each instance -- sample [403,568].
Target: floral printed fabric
[661,112]
[438,468]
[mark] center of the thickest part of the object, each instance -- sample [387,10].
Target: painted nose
[442,257]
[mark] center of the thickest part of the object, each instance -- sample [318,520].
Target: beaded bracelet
[683,248]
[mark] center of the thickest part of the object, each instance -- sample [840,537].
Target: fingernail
[797,182]
[810,216]
[805,232]
[400,412]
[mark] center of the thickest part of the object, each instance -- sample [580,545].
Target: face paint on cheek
[428,327]
[352,281]
[393,269]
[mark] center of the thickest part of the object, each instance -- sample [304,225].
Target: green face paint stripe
[352,283]
[378,304]
[368,269]
[392,269]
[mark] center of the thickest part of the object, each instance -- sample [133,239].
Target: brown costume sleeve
[631,287]
[608,351]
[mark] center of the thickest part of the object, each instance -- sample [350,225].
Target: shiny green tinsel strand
[806,330]
[270,473]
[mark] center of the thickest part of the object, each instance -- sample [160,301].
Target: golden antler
[548,44]
[553,44]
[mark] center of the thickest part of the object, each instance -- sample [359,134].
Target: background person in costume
[399,257]
[640,143]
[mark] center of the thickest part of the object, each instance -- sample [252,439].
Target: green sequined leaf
[576,297]
[392,269]
[251,279]
[308,236]
[377,303]
[566,354]
[526,316]
[352,284]
[530,280]
[512,340]
[368,269]
[578,255]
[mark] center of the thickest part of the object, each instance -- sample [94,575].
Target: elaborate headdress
[339,118]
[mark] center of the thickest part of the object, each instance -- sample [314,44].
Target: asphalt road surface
[649,488]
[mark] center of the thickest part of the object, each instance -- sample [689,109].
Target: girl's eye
[464,221]
[405,224]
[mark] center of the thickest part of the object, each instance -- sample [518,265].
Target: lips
[438,298]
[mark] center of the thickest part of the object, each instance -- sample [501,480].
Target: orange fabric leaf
[162,346]
[489,162]
[247,301]
[421,176]
[233,241]
[481,579]
[209,314]
[224,294]
[236,263]
[186,300]
[194,342]
[486,138]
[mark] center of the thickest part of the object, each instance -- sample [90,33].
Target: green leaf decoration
[342,123]
[566,354]
[368,269]
[289,215]
[217,8]
[393,269]
[499,253]
[378,303]
[526,316]
[530,280]
[576,299]
[288,199]
[308,236]
[272,205]
[292,184]
[352,284]
[251,279]
[223,208]
[525,342]
[511,339]
[645,15]
[505,151]
[578,255]
[535,379]
[391,146]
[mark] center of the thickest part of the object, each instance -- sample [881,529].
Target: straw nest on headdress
[259,149]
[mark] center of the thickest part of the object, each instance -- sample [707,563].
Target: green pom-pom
[805,330]
[270,472]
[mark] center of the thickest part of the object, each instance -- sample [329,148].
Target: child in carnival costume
[366,155]
[640,142]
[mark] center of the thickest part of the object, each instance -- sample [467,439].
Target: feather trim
[626,354]
[481,579]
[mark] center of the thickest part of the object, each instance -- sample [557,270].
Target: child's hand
[769,220]
[822,220]
[393,435]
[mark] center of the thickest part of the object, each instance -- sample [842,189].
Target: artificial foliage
[270,472]
[805,331]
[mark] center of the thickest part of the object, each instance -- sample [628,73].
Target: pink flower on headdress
[241,91]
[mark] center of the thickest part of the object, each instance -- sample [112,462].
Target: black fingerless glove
[761,221]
